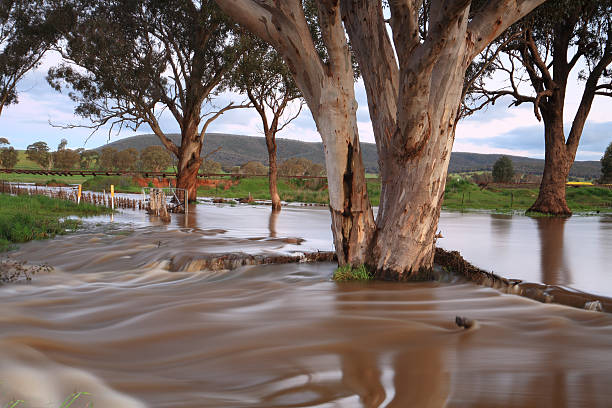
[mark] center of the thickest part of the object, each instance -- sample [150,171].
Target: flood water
[574,252]
[113,320]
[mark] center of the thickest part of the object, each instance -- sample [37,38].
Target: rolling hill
[237,150]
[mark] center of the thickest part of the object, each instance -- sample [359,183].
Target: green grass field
[123,184]
[25,163]
[25,218]
[460,193]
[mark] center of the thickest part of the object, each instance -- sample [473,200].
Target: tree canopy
[39,153]
[503,170]
[8,155]
[155,158]
[606,166]
[164,56]
[28,29]
[536,56]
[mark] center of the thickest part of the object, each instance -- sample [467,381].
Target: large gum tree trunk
[557,164]
[414,153]
[351,211]
[413,111]
[404,244]
[273,172]
[189,161]
[558,161]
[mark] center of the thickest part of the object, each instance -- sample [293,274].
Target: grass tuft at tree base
[348,272]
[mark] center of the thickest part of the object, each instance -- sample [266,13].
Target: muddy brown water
[575,252]
[112,320]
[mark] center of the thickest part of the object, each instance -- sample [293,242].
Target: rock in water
[465,322]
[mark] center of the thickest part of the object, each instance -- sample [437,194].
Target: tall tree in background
[262,75]
[64,158]
[503,171]
[606,166]
[28,29]
[155,158]
[413,101]
[39,153]
[89,159]
[538,54]
[138,58]
[8,155]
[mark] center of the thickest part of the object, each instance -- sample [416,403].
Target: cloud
[529,141]
[497,129]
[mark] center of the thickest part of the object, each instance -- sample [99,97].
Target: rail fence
[144,174]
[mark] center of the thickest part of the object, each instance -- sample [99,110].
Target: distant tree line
[153,158]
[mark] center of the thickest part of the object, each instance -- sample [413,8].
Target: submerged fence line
[71,194]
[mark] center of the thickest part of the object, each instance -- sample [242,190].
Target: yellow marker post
[79,195]
[112,197]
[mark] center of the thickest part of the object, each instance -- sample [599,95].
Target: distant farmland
[237,150]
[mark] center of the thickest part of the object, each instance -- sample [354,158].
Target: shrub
[253,168]
[503,171]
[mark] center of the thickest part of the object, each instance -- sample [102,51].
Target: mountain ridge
[238,149]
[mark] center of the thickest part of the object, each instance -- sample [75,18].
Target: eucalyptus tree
[28,29]
[126,62]
[538,55]
[39,153]
[413,101]
[262,75]
[606,166]
[8,155]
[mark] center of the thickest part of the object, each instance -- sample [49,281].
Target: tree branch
[494,18]
[220,112]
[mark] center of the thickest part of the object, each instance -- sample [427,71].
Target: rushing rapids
[128,315]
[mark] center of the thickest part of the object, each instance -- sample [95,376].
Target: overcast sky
[498,129]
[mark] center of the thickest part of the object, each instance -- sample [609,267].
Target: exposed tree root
[229,261]
[454,262]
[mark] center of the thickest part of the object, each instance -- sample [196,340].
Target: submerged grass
[348,272]
[26,218]
[66,404]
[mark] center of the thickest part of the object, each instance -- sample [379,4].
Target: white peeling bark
[328,89]
[351,212]
[413,105]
